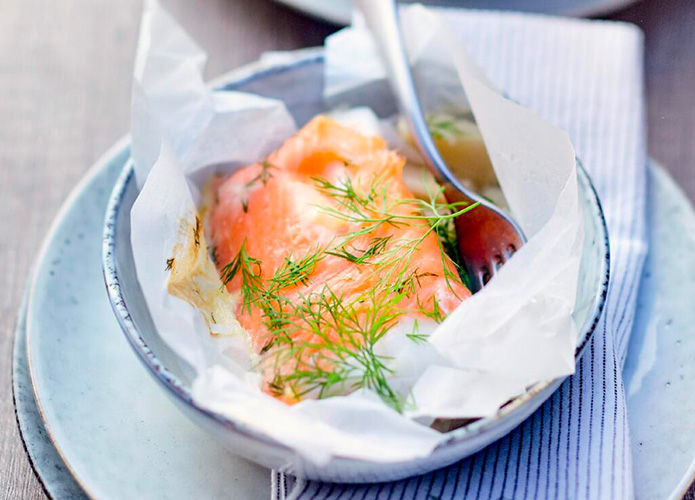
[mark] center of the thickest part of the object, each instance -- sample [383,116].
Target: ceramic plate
[660,373]
[121,438]
[45,460]
[340,11]
[114,428]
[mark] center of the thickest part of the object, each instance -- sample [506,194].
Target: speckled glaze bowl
[299,83]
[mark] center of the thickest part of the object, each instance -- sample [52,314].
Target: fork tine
[487,274]
[482,272]
[476,276]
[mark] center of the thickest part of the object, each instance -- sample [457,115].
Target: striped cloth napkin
[586,77]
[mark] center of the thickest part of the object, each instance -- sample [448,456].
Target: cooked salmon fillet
[326,222]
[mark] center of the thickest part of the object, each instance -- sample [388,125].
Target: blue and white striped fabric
[586,77]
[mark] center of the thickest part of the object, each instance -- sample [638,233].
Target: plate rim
[92,172]
[20,331]
[658,173]
[336,16]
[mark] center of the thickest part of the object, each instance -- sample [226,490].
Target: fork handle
[382,20]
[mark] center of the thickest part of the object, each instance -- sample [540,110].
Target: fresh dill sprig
[295,271]
[264,175]
[416,336]
[442,128]
[343,359]
[406,282]
[358,256]
[359,209]
[321,343]
[249,269]
[435,312]
[345,192]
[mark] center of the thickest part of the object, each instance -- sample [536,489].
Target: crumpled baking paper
[517,331]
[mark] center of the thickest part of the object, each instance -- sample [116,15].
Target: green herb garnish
[322,343]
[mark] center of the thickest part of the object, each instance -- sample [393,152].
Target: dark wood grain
[65,70]
[64,90]
[669,27]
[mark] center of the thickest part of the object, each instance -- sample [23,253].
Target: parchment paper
[517,331]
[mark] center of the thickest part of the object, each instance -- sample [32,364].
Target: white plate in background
[339,11]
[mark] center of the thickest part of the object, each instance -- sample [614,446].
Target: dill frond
[323,343]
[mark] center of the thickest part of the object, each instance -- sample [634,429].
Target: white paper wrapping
[517,331]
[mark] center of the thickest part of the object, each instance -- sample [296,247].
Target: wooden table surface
[65,70]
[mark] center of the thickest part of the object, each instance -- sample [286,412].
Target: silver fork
[487,237]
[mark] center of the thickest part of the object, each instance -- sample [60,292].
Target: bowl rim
[182,393]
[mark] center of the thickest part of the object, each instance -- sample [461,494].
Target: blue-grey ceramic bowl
[299,84]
